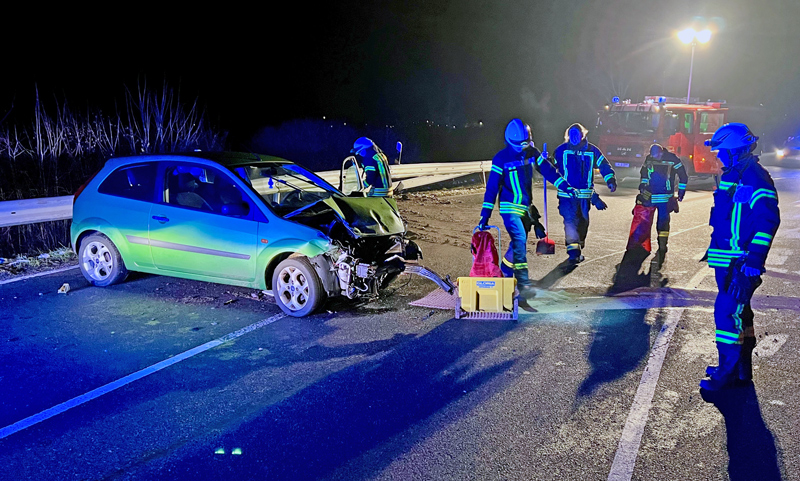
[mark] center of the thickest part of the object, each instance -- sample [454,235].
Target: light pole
[690,36]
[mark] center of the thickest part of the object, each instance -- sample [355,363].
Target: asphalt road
[589,386]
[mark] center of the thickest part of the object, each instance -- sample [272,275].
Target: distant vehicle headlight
[780,153]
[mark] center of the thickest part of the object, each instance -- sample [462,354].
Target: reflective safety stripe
[488,205]
[678,165]
[645,181]
[515,187]
[682,186]
[369,168]
[508,263]
[379,192]
[497,169]
[559,181]
[571,247]
[660,198]
[608,176]
[512,208]
[600,160]
[725,185]
[582,193]
[722,257]
[762,238]
[522,265]
[540,160]
[736,218]
[663,233]
[762,194]
[728,337]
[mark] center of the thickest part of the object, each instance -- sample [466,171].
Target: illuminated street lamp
[690,36]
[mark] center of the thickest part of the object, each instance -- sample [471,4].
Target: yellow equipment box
[487,298]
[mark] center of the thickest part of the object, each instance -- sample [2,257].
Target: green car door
[203,225]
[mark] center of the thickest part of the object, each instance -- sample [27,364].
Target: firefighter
[744,219]
[657,186]
[376,167]
[511,179]
[576,160]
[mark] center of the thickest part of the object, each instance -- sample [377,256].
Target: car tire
[296,287]
[100,261]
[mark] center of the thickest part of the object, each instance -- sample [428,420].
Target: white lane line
[631,439]
[628,448]
[39,274]
[94,394]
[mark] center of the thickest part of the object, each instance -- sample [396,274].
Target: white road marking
[96,393]
[628,448]
[631,439]
[39,274]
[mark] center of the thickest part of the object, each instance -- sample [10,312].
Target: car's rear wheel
[297,288]
[100,261]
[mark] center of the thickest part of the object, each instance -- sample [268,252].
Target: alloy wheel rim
[97,261]
[293,288]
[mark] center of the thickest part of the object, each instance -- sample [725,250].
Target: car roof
[226,159]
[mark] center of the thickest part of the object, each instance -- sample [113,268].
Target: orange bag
[485,260]
[641,226]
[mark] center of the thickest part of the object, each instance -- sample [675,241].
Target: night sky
[549,62]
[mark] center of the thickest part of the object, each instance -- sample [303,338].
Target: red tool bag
[641,226]
[485,260]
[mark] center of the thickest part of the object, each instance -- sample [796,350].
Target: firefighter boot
[524,284]
[574,253]
[726,375]
[661,255]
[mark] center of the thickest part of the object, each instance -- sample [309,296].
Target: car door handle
[161,219]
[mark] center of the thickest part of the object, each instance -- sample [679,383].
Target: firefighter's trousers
[735,336]
[515,260]
[576,223]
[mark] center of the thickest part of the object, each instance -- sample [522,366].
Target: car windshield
[285,187]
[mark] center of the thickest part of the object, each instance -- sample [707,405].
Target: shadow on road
[621,341]
[350,413]
[629,275]
[752,451]
[559,272]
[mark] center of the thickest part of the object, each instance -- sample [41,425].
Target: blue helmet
[361,144]
[656,150]
[518,135]
[732,136]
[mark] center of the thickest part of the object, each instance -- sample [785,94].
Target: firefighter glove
[612,184]
[538,230]
[681,193]
[742,281]
[598,203]
[482,224]
[571,191]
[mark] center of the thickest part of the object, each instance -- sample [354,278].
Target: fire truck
[628,129]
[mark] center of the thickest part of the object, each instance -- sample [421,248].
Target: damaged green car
[241,219]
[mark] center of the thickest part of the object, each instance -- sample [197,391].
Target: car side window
[135,182]
[204,188]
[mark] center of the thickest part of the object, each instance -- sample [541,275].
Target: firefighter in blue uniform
[376,167]
[744,218]
[657,186]
[511,179]
[576,160]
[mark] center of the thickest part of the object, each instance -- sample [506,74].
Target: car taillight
[83,186]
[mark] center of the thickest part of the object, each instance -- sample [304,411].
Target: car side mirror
[237,209]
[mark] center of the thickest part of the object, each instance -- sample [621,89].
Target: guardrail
[47,209]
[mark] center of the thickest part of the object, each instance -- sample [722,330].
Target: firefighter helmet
[656,150]
[732,136]
[518,135]
[580,129]
[361,144]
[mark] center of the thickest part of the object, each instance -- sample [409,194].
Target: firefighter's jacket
[577,163]
[378,179]
[511,178]
[658,178]
[745,215]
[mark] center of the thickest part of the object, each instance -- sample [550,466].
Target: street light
[690,36]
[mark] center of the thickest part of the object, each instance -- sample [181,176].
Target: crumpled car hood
[368,216]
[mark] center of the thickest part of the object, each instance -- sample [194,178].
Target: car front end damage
[368,246]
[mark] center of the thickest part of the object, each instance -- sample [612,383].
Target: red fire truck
[627,130]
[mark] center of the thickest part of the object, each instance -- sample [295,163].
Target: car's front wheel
[296,286]
[100,261]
